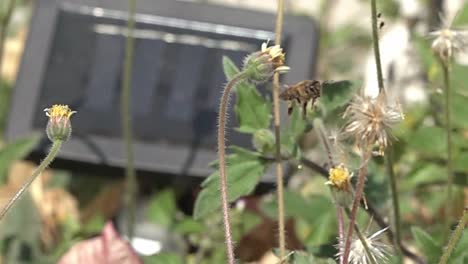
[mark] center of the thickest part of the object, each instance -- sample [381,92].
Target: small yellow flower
[339,177]
[59,127]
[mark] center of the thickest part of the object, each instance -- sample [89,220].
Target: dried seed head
[447,41]
[370,121]
[59,126]
[261,65]
[380,251]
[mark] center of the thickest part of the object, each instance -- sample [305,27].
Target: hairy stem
[356,202]
[339,215]
[394,191]
[4,23]
[362,238]
[222,163]
[455,237]
[279,167]
[130,173]
[375,41]
[448,127]
[44,164]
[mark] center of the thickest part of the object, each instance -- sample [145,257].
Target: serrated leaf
[253,111]
[244,171]
[162,208]
[336,94]
[15,151]
[432,250]
[230,69]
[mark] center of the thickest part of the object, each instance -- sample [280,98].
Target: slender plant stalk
[339,214]
[4,23]
[362,238]
[127,122]
[394,191]
[222,163]
[44,164]
[448,127]
[279,167]
[356,202]
[455,237]
[375,41]
[389,156]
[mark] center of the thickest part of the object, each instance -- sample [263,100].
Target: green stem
[394,190]
[356,202]
[44,164]
[127,122]
[362,238]
[4,23]
[448,127]
[277,123]
[222,163]
[375,41]
[455,237]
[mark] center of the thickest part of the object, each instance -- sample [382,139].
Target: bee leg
[290,107]
[304,110]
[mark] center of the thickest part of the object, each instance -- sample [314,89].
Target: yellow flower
[59,127]
[339,177]
[59,111]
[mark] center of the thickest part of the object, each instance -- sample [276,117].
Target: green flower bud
[260,66]
[59,126]
[264,141]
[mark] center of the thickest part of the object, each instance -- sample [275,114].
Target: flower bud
[264,141]
[59,126]
[260,66]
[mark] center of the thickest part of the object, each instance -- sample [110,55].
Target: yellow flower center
[59,111]
[339,177]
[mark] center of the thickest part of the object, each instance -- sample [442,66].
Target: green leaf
[163,208]
[427,173]
[164,258]
[460,162]
[253,111]
[15,151]
[336,94]
[429,141]
[432,250]
[459,111]
[244,171]
[188,226]
[230,69]
[461,18]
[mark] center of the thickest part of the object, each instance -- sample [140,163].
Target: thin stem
[222,163]
[394,190]
[455,237]
[44,164]
[279,167]
[362,238]
[339,214]
[127,121]
[448,127]
[375,41]
[4,23]
[356,202]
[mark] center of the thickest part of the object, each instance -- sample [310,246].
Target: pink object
[108,248]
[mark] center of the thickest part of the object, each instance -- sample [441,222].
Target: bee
[302,92]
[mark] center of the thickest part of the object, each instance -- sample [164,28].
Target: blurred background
[71,52]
